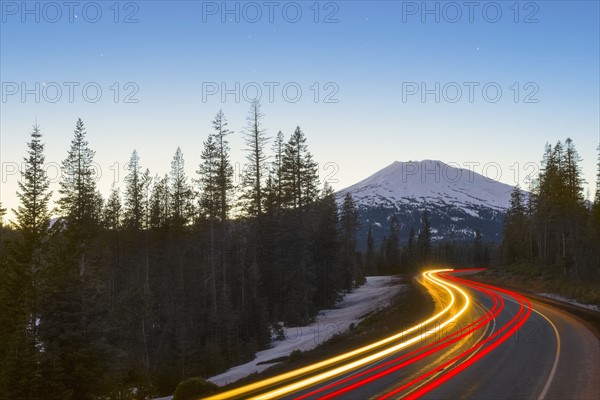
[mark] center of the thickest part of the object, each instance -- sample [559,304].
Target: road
[482,342]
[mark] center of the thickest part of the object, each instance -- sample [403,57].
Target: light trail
[414,355]
[495,340]
[368,359]
[251,388]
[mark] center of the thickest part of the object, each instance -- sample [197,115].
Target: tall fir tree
[181,193]
[79,201]
[33,214]
[349,226]
[515,237]
[158,211]
[135,211]
[277,170]
[255,170]
[112,212]
[20,363]
[299,175]
[210,203]
[224,179]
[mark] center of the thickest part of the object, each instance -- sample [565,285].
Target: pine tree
[515,237]
[210,202]
[134,215]
[112,215]
[224,179]
[160,207]
[22,272]
[208,175]
[349,227]
[79,199]
[326,253]
[277,170]
[180,192]
[299,178]
[146,190]
[33,215]
[255,171]
[572,174]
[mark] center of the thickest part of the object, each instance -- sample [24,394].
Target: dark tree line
[419,249]
[553,226]
[170,276]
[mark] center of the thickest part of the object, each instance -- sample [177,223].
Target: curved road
[483,342]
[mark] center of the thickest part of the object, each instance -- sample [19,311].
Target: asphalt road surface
[483,342]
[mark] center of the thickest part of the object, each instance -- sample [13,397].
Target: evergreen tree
[210,202]
[20,288]
[572,174]
[208,175]
[146,190]
[255,170]
[135,182]
[33,215]
[349,226]
[326,250]
[299,178]
[180,192]
[111,215]
[79,199]
[160,208]
[515,239]
[224,178]
[277,170]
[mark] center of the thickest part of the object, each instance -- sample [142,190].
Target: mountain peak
[460,201]
[431,181]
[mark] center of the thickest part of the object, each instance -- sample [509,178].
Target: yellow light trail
[355,364]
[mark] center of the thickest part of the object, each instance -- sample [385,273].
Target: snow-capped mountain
[459,200]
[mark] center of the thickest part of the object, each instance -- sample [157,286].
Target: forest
[124,296]
[552,230]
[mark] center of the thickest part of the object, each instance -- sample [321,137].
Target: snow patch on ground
[570,301]
[374,295]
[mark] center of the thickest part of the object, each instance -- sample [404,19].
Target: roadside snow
[570,301]
[374,295]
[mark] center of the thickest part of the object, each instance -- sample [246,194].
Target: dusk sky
[358,67]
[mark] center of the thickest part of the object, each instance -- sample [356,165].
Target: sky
[477,84]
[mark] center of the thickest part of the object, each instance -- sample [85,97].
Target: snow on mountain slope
[430,181]
[459,201]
